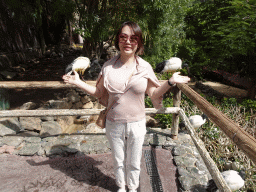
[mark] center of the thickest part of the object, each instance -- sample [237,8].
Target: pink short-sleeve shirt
[128,91]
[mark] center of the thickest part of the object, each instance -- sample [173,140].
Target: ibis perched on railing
[171,65]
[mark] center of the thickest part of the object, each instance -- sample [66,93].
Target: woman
[124,80]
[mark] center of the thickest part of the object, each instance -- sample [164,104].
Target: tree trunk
[252,90]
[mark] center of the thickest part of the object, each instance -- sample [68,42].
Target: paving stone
[192,172]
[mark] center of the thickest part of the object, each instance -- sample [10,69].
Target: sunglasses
[133,39]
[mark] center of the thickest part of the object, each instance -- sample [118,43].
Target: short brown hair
[137,31]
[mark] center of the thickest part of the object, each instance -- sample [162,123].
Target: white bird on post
[196,121]
[79,65]
[171,65]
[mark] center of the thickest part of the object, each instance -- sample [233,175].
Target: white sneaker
[121,190]
[132,190]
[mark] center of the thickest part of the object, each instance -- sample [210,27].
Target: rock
[65,122]
[58,104]
[73,97]
[48,118]
[27,134]
[28,106]
[50,128]
[77,105]
[9,126]
[12,140]
[7,149]
[181,150]
[97,105]
[93,128]
[151,122]
[28,149]
[88,105]
[85,99]
[31,123]
[8,74]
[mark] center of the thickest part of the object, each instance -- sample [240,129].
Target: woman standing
[124,80]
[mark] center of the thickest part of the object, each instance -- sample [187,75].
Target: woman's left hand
[176,78]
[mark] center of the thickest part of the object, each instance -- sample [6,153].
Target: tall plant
[97,21]
[163,21]
[223,33]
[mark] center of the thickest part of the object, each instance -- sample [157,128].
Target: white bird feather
[80,64]
[171,65]
[233,179]
[196,121]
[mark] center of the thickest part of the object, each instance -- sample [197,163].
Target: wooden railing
[241,138]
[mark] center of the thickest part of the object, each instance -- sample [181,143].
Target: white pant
[126,141]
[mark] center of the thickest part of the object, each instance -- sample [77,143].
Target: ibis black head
[205,117]
[184,65]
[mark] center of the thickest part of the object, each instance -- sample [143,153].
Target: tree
[163,25]
[225,32]
[97,21]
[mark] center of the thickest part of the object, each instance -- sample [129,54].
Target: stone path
[83,163]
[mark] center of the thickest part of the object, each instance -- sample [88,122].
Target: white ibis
[171,65]
[234,179]
[79,65]
[196,121]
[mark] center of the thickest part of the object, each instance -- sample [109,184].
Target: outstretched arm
[75,80]
[154,92]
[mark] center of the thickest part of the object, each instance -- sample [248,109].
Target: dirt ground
[227,90]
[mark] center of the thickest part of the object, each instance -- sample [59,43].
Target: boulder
[31,123]
[28,106]
[88,105]
[73,97]
[93,128]
[59,104]
[151,122]
[65,122]
[9,126]
[50,128]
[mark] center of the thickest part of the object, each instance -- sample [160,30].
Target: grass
[222,149]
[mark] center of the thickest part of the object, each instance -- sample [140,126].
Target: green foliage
[98,21]
[249,104]
[165,119]
[221,34]
[163,23]
[148,102]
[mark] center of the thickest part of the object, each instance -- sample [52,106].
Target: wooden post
[210,164]
[245,141]
[175,117]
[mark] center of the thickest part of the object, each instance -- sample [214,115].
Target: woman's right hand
[71,79]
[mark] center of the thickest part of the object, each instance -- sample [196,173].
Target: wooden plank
[74,112]
[38,84]
[41,84]
[245,141]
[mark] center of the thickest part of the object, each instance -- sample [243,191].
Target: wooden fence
[241,138]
